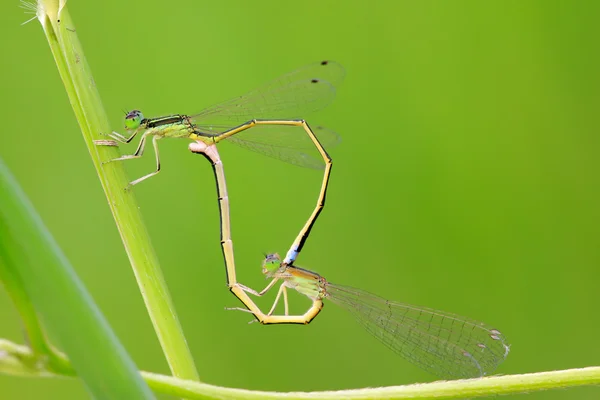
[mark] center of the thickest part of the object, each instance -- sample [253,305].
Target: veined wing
[445,344]
[290,144]
[290,96]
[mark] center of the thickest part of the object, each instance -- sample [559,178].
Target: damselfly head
[271,263]
[133,119]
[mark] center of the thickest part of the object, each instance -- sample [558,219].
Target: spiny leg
[138,152]
[285,301]
[124,139]
[265,319]
[155,139]
[282,288]
[262,292]
[254,292]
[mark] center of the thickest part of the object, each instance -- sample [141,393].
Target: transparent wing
[287,136]
[447,345]
[290,144]
[291,96]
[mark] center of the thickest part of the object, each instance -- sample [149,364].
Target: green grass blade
[47,357]
[46,279]
[87,106]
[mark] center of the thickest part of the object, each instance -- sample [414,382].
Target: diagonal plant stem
[16,360]
[85,100]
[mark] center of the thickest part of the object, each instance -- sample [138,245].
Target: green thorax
[170,126]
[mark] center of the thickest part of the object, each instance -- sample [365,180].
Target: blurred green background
[467,178]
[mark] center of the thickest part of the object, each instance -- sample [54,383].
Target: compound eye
[133,119]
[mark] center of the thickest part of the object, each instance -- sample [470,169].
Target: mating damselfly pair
[268,120]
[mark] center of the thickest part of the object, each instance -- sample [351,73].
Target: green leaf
[40,278]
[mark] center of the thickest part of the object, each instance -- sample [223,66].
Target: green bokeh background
[467,178]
